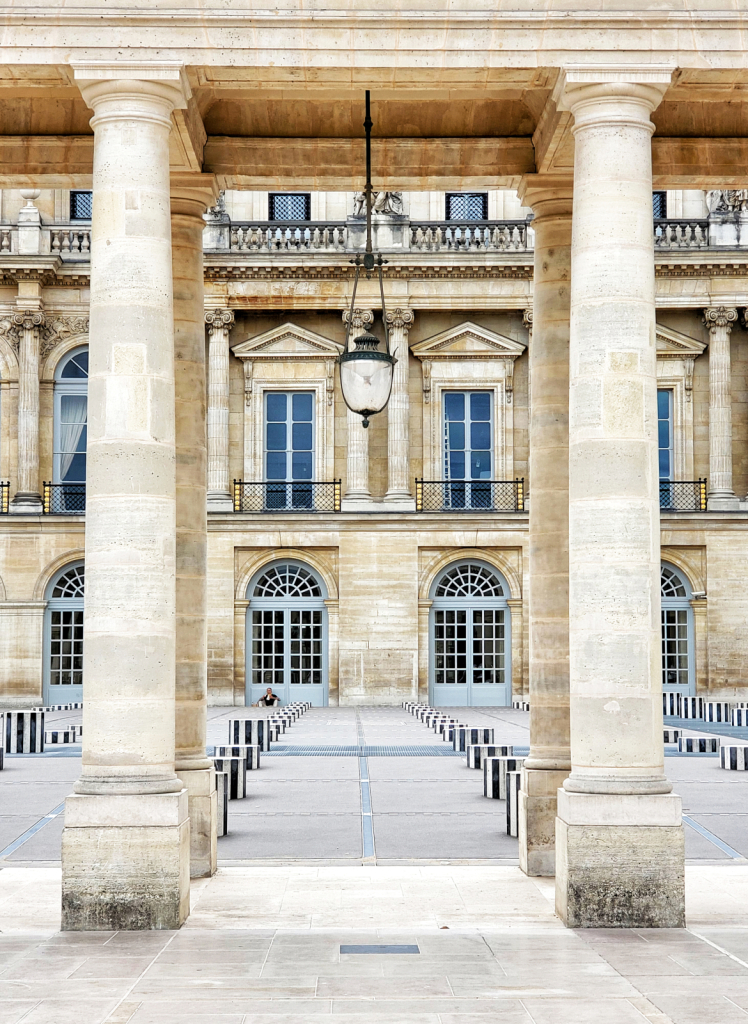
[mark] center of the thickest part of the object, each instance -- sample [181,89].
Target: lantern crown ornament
[366,371]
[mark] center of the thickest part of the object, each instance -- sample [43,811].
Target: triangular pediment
[673,343]
[468,341]
[289,341]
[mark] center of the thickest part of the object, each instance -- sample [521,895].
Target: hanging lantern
[366,371]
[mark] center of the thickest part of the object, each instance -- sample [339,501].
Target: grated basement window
[659,205]
[467,206]
[80,205]
[289,206]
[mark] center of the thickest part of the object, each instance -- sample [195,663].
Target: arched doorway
[678,675]
[287,634]
[470,637]
[63,636]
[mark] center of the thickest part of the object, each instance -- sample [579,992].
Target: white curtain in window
[73,409]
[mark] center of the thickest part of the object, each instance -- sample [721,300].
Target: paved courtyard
[397,847]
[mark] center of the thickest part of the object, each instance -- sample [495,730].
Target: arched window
[70,418]
[470,637]
[287,634]
[677,632]
[63,636]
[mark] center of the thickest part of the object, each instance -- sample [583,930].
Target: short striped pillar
[495,772]
[739,717]
[249,732]
[251,754]
[698,744]
[236,767]
[466,736]
[670,705]
[513,780]
[671,735]
[24,732]
[222,801]
[476,753]
[521,705]
[281,723]
[56,736]
[450,729]
[2,739]
[445,724]
[691,707]
[717,711]
[733,757]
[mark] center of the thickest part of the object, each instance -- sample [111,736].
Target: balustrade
[70,241]
[681,234]
[470,236]
[277,236]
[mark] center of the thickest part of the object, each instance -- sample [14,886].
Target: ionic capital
[720,317]
[401,319]
[219,319]
[29,320]
[361,318]
[527,319]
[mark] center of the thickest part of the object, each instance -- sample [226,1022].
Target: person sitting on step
[269,699]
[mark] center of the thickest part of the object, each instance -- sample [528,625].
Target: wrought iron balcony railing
[296,496]
[4,496]
[683,495]
[64,499]
[470,495]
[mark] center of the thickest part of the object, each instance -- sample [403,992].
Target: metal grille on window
[268,647]
[467,206]
[306,647]
[71,584]
[469,579]
[674,647]
[670,584]
[66,647]
[81,204]
[287,580]
[659,205]
[289,206]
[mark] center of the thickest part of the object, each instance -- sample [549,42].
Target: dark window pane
[302,407]
[276,407]
[76,471]
[302,436]
[456,435]
[480,435]
[276,437]
[454,406]
[663,430]
[659,204]
[276,465]
[480,406]
[457,466]
[663,404]
[480,466]
[76,368]
[302,465]
[664,464]
[80,205]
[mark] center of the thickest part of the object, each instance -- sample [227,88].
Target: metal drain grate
[382,949]
[288,750]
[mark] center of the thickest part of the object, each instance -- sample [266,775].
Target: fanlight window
[76,368]
[469,580]
[71,583]
[287,580]
[671,584]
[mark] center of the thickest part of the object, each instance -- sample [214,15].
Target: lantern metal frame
[366,343]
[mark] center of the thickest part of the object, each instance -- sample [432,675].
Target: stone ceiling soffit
[187,141]
[552,139]
[288,342]
[466,341]
[672,343]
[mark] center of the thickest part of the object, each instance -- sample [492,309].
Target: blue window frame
[665,433]
[467,447]
[71,418]
[289,448]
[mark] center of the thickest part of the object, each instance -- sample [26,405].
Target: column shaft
[719,320]
[126,838]
[219,323]
[398,410]
[189,200]
[550,759]
[620,848]
[29,324]
[357,463]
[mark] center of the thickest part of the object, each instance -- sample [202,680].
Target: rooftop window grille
[467,206]
[659,205]
[80,205]
[289,206]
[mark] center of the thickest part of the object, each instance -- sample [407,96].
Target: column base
[365,503]
[400,503]
[26,503]
[220,501]
[125,862]
[203,808]
[537,820]
[722,502]
[620,861]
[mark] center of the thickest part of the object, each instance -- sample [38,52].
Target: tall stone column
[719,320]
[219,323]
[28,324]
[550,758]
[191,195]
[398,410]
[357,465]
[619,834]
[126,842]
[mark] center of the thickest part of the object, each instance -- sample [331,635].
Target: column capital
[219,319]
[401,318]
[28,319]
[361,318]
[139,88]
[192,194]
[716,317]
[597,94]
[547,194]
[527,319]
